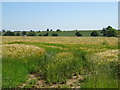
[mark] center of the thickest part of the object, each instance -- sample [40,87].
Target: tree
[109,27]
[78,34]
[111,32]
[24,33]
[17,34]
[40,35]
[58,30]
[3,30]
[45,34]
[48,30]
[104,31]
[51,30]
[31,34]
[54,34]
[39,31]
[94,33]
[31,31]
[9,33]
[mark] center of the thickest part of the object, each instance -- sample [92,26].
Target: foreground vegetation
[58,60]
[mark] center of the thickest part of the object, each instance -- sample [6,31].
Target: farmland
[60,62]
[85,33]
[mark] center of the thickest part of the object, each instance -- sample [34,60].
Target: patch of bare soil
[40,83]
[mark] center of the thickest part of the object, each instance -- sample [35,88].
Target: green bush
[45,34]
[94,33]
[31,34]
[9,33]
[40,35]
[54,34]
[78,34]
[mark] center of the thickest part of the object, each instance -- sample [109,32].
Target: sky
[59,15]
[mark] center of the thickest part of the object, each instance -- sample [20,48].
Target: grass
[103,76]
[86,33]
[58,59]
[103,72]
[14,73]
[18,62]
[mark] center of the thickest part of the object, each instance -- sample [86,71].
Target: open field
[85,33]
[60,62]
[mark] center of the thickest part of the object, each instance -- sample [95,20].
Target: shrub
[9,33]
[45,34]
[24,33]
[58,30]
[111,32]
[31,34]
[48,30]
[54,34]
[40,35]
[94,33]
[17,34]
[78,34]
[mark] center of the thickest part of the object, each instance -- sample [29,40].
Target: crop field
[60,62]
[85,33]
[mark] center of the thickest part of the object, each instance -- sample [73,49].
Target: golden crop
[21,50]
[65,40]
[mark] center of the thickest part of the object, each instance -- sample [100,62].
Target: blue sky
[62,15]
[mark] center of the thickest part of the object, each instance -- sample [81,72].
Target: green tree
[17,34]
[31,34]
[94,33]
[78,34]
[40,35]
[104,31]
[58,30]
[109,27]
[24,33]
[9,33]
[111,32]
[46,34]
[54,34]
[3,30]
[48,30]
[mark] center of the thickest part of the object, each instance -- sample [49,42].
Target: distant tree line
[108,32]
[25,33]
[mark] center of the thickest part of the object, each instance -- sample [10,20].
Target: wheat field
[64,62]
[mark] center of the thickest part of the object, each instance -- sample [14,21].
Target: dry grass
[66,40]
[21,50]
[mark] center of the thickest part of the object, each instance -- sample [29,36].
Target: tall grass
[58,59]
[18,64]
[102,74]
